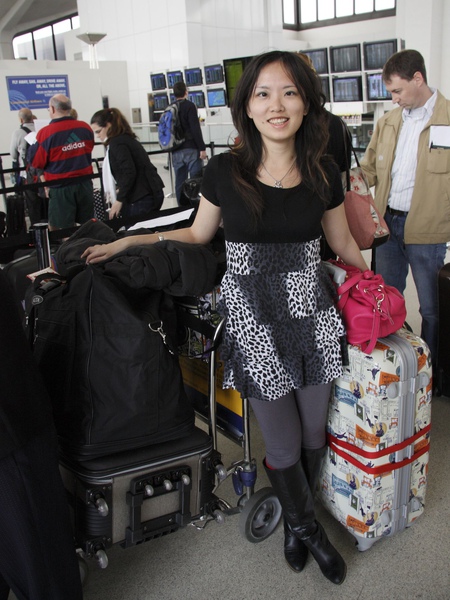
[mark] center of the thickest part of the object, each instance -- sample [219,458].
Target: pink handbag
[365,222]
[370,309]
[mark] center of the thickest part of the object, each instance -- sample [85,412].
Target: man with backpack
[187,158]
[35,200]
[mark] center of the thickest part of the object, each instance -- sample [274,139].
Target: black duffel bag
[106,353]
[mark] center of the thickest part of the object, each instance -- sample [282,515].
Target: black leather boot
[295,551]
[311,462]
[296,499]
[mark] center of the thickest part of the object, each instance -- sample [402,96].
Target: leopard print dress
[282,329]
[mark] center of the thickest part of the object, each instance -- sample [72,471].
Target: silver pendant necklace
[278,182]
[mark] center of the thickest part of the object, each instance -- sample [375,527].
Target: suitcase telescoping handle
[339,275]
[42,245]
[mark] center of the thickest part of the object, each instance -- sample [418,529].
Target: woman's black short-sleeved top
[289,215]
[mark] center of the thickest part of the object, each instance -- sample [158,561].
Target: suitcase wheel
[260,515]
[101,558]
[84,569]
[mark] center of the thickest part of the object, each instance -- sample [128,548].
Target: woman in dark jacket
[131,182]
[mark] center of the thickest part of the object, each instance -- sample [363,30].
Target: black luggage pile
[15,215]
[133,462]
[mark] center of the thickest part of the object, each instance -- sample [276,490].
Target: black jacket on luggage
[105,341]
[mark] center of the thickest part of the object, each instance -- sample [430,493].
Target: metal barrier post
[169,160]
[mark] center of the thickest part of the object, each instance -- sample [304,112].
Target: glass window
[23,46]
[309,11]
[62,26]
[42,43]
[60,47]
[363,6]
[344,8]
[321,13]
[289,17]
[326,10]
[384,4]
[59,29]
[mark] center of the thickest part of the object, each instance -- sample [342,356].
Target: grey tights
[293,422]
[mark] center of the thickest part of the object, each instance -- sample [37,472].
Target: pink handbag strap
[376,323]
[349,283]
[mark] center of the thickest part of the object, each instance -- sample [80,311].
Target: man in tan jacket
[412,184]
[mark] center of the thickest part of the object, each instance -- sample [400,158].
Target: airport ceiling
[19,15]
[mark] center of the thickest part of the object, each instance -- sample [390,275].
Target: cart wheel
[102,558]
[84,569]
[242,501]
[221,472]
[219,517]
[260,515]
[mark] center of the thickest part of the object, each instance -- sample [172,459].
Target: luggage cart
[259,512]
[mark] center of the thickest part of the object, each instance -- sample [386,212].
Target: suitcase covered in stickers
[374,474]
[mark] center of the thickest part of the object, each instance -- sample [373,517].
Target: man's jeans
[392,260]
[185,163]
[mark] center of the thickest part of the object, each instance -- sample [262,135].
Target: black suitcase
[102,350]
[17,272]
[442,377]
[131,497]
[15,215]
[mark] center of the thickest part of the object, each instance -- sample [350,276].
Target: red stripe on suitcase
[380,453]
[386,468]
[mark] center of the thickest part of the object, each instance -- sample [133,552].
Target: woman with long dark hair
[274,191]
[131,182]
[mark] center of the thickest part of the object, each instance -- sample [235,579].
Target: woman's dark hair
[119,124]
[404,64]
[310,141]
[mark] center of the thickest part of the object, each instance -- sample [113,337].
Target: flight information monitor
[234,67]
[198,98]
[325,88]
[158,81]
[319,59]
[173,77]
[193,76]
[160,101]
[345,58]
[347,89]
[214,74]
[216,98]
[377,53]
[376,90]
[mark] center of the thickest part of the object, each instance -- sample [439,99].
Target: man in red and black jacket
[64,150]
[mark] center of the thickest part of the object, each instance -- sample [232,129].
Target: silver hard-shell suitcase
[374,475]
